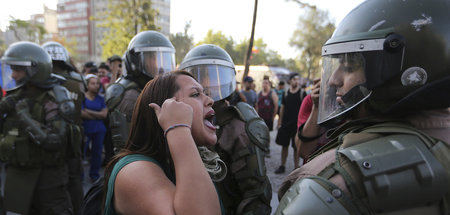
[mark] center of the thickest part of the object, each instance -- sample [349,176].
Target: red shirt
[305,110]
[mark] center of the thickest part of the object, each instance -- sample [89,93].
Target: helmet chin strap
[354,95]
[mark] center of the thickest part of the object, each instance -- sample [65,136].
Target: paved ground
[272,163]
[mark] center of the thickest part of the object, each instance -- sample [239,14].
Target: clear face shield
[156,60]
[343,84]
[351,71]
[219,81]
[14,74]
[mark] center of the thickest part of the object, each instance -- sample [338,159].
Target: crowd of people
[371,136]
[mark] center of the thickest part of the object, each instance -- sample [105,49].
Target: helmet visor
[157,62]
[343,84]
[10,81]
[217,80]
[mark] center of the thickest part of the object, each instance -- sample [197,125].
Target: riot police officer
[75,84]
[35,133]
[149,54]
[386,79]
[242,136]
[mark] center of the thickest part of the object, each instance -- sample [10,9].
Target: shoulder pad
[61,95]
[256,128]
[389,164]
[128,84]
[76,76]
[114,94]
[246,111]
[235,111]
[306,196]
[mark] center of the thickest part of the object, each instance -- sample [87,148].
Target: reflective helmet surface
[149,53]
[58,53]
[394,55]
[29,58]
[213,68]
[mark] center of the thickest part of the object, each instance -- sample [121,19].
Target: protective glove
[8,103]
[32,127]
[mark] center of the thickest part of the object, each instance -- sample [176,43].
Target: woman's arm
[98,114]
[143,188]
[192,177]
[86,115]
[311,127]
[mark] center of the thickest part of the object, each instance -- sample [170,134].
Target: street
[273,162]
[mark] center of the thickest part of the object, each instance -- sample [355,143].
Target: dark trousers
[96,140]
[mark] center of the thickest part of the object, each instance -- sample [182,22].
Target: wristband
[175,126]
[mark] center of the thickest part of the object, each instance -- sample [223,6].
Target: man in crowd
[287,123]
[149,54]
[248,92]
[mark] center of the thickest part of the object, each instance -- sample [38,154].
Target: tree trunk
[250,45]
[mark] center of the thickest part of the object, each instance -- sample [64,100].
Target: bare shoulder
[142,187]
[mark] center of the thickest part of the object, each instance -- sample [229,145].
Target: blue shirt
[250,96]
[94,125]
[280,94]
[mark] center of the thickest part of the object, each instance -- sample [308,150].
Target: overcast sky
[276,19]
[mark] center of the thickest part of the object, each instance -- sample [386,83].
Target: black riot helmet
[393,55]
[30,60]
[213,68]
[59,54]
[149,54]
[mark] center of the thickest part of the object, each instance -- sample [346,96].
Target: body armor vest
[246,188]
[119,122]
[388,168]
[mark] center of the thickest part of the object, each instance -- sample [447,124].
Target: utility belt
[20,151]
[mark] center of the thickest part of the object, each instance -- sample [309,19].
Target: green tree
[26,30]
[314,29]
[221,40]
[275,59]
[240,51]
[124,19]
[182,42]
[2,46]
[261,55]
[293,65]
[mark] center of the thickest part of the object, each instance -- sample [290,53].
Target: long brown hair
[146,135]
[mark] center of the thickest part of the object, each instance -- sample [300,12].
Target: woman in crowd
[172,116]
[93,112]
